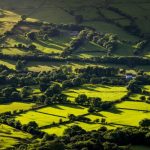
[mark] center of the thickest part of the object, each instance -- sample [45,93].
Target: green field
[15,106]
[87,126]
[106,93]
[125,114]
[48,115]
[10,136]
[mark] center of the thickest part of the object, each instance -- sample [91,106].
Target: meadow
[94,14]
[15,106]
[48,115]
[10,136]
[106,93]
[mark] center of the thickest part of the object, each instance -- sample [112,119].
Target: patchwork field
[106,93]
[87,126]
[48,115]
[120,114]
[76,32]
[15,106]
[10,137]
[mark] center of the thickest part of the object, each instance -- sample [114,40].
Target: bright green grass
[136,97]
[134,105]
[9,64]
[124,117]
[15,106]
[37,66]
[48,115]
[53,45]
[8,21]
[42,66]
[14,51]
[90,54]
[106,93]
[42,119]
[88,127]
[147,88]
[64,110]
[10,136]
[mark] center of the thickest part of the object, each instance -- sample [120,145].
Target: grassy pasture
[14,51]
[136,97]
[109,28]
[124,114]
[134,105]
[48,115]
[9,64]
[8,20]
[64,110]
[106,93]
[15,106]
[10,136]
[60,130]
[42,119]
[147,88]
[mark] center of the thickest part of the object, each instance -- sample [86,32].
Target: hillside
[75,74]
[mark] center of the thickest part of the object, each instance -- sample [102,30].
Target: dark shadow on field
[50,114]
[124,125]
[57,107]
[114,110]
[49,45]
[74,106]
[97,114]
[16,138]
[145,111]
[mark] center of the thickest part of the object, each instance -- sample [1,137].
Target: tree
[91,109]
[145,123]
[74,130]
[20,65]
[51,145]
[25,91]
[134,87]
[81,99]
[53,89]
[67,84]
[32,36]
[33,124]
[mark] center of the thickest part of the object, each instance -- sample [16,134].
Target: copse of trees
[77,138]
[98,71]
[139,46]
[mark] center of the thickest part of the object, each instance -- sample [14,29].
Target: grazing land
[75,74]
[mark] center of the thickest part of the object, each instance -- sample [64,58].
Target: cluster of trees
[108,80]
[94,103]
[98,71]
[133,87]
[77,138]
[140,46]
[108,41]
[10,94]
[74,44]
[75,82]
[26,47]
[130,61]
[31,127]
[47,31]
